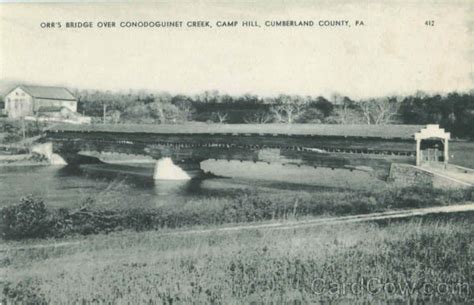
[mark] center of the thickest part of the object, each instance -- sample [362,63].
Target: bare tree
[258,117]
[344,110]
[221,117]
[187,112]
[346,115]
[209,96]
[379,111]
[287,108]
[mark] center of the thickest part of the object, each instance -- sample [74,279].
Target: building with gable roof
[25,100]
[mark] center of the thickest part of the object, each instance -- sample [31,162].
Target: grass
[298,266]
[32,219]
[461,153]
[293,266]
[11,130]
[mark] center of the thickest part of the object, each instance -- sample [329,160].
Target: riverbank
[460,210]
[23,163]
[387,262]
[22,160]
[34,218]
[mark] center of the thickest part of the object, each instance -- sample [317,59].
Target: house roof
[53,93]
[325,130]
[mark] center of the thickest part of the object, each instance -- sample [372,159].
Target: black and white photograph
[236,152]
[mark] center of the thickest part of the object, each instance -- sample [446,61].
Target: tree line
[454,111]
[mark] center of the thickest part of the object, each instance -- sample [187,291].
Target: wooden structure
[28,100]
[370,148]
[436,148]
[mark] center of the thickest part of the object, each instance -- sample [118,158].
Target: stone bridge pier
[172,164]
[63,156]
[167,169]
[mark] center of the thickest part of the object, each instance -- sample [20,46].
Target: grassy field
[462,153]
[419,260]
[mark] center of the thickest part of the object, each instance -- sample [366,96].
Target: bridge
[371,148]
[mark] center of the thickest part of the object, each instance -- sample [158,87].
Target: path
[453,172]
[461,173]
[290,224]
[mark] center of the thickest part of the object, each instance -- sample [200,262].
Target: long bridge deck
[368,147]
[324,130]
[373,148]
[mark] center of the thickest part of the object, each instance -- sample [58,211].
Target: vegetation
[454,111]
[31,219]
[420,261]
[11,131]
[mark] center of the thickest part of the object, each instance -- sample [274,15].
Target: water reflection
[134,184]
[166,187]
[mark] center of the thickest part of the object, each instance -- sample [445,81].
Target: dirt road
[337,220]
[285,225]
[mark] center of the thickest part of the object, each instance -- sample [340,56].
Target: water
[133,184]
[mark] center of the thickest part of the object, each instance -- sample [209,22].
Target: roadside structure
[432,145]
[23,101]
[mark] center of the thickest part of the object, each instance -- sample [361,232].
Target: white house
[30,100]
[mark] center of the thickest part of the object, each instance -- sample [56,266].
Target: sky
[394,53]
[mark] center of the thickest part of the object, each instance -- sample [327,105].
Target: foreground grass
[417,260]
[34,219]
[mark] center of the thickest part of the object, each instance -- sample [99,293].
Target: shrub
[29,219]
[419,197]
[13,129]
[138,219]
[36,157]
[24,292]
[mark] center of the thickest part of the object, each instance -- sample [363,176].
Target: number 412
[429,22]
